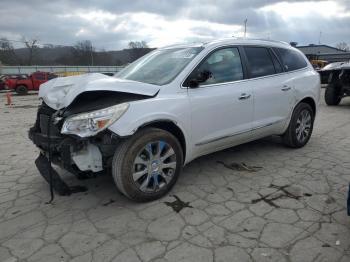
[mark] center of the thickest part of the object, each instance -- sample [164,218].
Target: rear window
[292,60]
[260,62]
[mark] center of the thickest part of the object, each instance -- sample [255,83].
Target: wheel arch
[171,127]
[25,85]
[309,100]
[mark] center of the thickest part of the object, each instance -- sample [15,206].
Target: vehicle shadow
[102,186]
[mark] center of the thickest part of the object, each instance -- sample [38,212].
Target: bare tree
[137,44]
[137,49]
[343,46]
[31,45]
[7,52]
[84,52]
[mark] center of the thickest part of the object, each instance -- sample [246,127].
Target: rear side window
[259,61]
[39,76]
[292,60]
[277,64]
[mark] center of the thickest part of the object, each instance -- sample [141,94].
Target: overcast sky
[111,24]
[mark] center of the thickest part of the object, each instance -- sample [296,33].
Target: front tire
[146,166]
[300,126]
[332,95]
[21,90]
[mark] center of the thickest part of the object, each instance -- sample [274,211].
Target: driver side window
[224,65]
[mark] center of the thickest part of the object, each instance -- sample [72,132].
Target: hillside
[68,55]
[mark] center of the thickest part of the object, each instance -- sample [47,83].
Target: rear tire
[138,155]
[21,90]
[300,126]
[332,95]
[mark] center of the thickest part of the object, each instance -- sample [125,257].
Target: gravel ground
[280,205]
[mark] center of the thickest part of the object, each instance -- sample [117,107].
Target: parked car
[2,81]
[173,105]
[23,85]
[337,76]
[12,76]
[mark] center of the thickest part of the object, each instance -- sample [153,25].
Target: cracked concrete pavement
[290,209]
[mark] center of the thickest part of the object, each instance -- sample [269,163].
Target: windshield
[159,67]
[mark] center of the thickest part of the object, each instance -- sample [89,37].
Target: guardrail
[8,70]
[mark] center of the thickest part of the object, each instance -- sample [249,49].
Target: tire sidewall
[299,108]
[332,96]
[21,90]
[134,146]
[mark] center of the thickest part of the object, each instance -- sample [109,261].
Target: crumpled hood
[60,92]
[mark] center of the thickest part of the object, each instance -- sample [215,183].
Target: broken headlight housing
[91,123]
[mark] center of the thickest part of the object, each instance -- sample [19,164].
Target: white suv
[174,105]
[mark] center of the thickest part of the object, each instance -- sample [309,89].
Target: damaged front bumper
[77,155]
[52,177]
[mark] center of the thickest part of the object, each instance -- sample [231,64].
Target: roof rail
[266,40]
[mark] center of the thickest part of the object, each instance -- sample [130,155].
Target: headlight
[89,124]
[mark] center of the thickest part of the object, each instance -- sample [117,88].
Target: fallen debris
[58,184]
[178,204]
[240,167]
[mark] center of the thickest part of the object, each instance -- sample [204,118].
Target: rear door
[272,90]
[222,106]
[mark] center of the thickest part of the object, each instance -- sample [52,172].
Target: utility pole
[245,27]
[92,57]
[319,38]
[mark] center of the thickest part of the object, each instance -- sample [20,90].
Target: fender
[180,117]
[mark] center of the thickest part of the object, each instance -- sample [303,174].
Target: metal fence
[8,70]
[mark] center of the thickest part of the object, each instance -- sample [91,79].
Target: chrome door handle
[286,88]
[244,96]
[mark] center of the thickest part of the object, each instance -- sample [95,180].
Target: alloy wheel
[154,166]
[303,126]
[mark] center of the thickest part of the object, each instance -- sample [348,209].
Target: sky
[112,24]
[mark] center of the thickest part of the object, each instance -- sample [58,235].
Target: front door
[222,106]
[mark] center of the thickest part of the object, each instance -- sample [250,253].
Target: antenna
[245,27]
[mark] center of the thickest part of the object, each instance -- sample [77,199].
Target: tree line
[81,53]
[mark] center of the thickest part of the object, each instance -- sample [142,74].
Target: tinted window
[278,66]
[260,62]
[224,65]
[292,60]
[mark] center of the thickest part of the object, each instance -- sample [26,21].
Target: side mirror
[201,77]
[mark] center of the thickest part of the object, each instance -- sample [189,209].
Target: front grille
[39,132]
[42,122]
